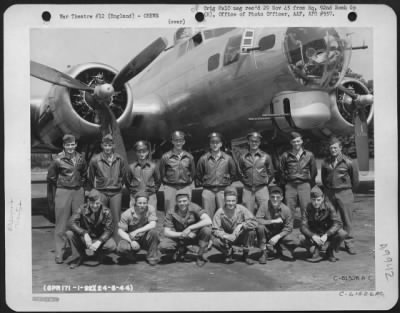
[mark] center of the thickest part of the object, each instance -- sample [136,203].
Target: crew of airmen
[98,228]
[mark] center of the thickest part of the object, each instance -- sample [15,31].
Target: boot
[315,256]
[263,257]
[330,255]
[246,257]
[229,256]
[201,260]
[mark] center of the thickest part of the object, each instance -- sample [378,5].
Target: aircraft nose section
[318,57]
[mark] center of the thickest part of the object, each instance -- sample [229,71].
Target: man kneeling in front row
[91,228]
[187,224]
[137,229]
[233,224]
[321,228]
[275,226]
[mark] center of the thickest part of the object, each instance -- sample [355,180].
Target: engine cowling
[65,110]
[341,122]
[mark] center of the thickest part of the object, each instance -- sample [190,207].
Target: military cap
[316,192]
[182,192]
[68,138]
[215,135]
[230,191]
[275,189]
[141,145]
[141,194]
[255,135]
[94,195]
[177,135]
[333,140]
[294,135]
[108,138]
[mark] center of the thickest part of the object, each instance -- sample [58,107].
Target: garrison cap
[141,194]
[68,138]
[316,192]
[294,135]
[94,195]
[141,145]
[275,189]
[215,135]
[334,140]
[255,135]
[177,135]
[108,139]
[182,192]
[230,191]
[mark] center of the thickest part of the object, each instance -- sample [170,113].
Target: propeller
[101,95]
[358,103]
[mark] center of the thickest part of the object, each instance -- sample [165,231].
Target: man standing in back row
[106,173]
[216,170]
[298,170]
[177,170]
[340,176]
[256,172]
[66,174]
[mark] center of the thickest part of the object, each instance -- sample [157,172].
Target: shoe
[200,261]
[350,250]
[58,259]
[316,257]
[178,256]
[246,258]
[229,256]
[75,264]
[288,258]
[263,257]
[153,262]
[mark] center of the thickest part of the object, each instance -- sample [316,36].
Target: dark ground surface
[276,275]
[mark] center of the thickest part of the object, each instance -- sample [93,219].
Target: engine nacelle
[65,110]
[301,109]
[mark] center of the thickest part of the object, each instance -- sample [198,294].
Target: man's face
[254,143]
[141,204]
[142,154]
[215,145]
[95,205]
[276,199]
[107,147]
[316,202]
[178,143]
[69,147]
[182,202]
[296,143]
[335,149]
[230,202]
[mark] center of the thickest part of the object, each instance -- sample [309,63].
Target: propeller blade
[53,76]
[361,139]
[108,123]
[139,63]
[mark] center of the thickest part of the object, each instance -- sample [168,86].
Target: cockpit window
[211,33]
[232,49]
[318,57]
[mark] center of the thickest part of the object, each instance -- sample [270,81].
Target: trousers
[245,239]
[264,234]
[170,196]
[297,193]
[170,245]
[252,200]
[67,202]
[78,246]
[212,200]
[113,201]
[148,241]
[343,201]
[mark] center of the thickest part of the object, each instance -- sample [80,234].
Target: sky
[60,48]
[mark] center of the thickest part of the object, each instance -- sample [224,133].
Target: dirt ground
[351,272]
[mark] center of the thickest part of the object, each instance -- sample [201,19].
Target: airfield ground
[351,272]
